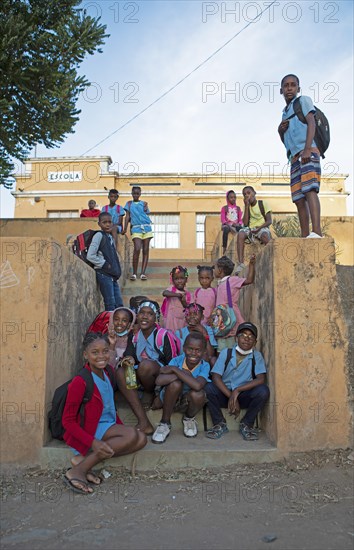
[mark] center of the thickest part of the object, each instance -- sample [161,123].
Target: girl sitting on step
[101,434]
[151,347]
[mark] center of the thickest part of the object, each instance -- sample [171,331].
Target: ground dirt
[304,502]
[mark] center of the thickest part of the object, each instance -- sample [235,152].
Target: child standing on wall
[257,218]
[206,294]
[102,434]
[223,270]
[176,299]
[305,173]
[231,218]
[116,211]
[103,255]
[141,231]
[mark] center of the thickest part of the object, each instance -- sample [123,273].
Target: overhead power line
[258,16]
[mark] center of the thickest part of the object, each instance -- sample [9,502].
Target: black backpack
[81,245]
[59,399]
[322,134]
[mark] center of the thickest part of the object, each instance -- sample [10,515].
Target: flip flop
[132,277]
[143,277]
[69,483]
[93,475]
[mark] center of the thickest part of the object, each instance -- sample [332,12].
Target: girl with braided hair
[176,299]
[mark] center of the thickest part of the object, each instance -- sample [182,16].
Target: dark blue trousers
[253,400]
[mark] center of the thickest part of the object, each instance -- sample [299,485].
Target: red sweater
[75,436]
[86,213]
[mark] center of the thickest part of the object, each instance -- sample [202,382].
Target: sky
[224,116]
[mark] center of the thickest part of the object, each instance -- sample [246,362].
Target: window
[63,213]
[166,230]
[200,228]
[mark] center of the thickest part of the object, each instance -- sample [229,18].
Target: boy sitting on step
[183,380]
[238,382]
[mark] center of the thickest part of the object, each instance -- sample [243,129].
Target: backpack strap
[87,377]
[298,111]
[228,289]
[253,367]
[159,341]
[261,207]
[111,375]
[215,291]
[105,208]
[196,294]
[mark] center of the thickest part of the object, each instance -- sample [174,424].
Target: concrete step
[178,452]
[128,417]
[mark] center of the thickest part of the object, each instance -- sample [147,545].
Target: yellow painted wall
[48,299]
[296,305]
[175,193]
[341,229]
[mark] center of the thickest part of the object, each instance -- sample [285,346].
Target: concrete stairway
[178,452]
[158,273]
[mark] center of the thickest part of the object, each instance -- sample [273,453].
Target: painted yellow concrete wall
[48,299]
[174,193]
[296,304]
[341,229]
[63,231]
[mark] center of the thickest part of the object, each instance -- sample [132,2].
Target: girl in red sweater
[102,434]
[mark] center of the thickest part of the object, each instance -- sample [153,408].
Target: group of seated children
[252,224]
[178,359]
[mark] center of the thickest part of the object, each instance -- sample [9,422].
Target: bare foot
[147,429]
[156,404]
[75,480]
[91,477]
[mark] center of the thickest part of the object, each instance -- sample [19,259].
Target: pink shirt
[173,310]
[221,297]
[206,297]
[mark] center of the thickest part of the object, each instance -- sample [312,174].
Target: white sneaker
[161,433]
[190,427]
[313,235]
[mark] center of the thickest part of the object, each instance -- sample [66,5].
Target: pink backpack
[159,341]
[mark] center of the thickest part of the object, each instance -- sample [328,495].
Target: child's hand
[283,126]
[184,301]
[233,404]
[112,337]
[252,259]
[246,201]
[166,370]
[102,448]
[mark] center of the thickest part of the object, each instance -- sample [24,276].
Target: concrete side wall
[48,298]
[310,347]
[63,231]
[340,228]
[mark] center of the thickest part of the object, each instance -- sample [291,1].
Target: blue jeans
[110,291]
[253,400]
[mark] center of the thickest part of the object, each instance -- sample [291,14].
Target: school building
[60,187]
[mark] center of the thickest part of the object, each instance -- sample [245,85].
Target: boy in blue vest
[305,172]
[103,255]
[238,382]
[116,211]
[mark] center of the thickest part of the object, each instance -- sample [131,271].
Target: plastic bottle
[129,372]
